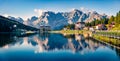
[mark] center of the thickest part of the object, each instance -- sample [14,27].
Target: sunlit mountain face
[58,20]
[44,44]
[59,30]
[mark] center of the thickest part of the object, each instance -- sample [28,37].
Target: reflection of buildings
[55,42]
[118,52]
[75,44]
[80,44]
[44,28]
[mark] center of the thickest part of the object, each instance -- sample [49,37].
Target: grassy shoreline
[110,41]
[107,40]
[68,31]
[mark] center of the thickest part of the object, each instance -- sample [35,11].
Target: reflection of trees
[92,45]
[52,42]
[44,42]
[6,39]
[69,36]
[76,43]
[43,36]
[118,52]
[79,44]
[9,40]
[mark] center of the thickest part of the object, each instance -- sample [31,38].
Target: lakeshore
[108,37]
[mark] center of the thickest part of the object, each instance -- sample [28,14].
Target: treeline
[96,22]
[70,26]
[7,25]
[115,19]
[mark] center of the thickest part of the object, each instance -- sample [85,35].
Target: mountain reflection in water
[58,44]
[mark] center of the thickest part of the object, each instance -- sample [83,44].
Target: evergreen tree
[117,19]
[111,20]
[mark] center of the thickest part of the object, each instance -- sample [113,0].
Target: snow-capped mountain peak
[60,19]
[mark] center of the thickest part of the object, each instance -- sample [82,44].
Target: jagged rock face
[60,19]
[76,15]
[30,21]
[55,20]
[94,15]
[33,18]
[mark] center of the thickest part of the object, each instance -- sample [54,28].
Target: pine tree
[111,20]
[117,19]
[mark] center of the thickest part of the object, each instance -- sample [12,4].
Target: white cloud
[39,11]
[85,10]
[6,15]
[82,8]
[23,17]
[73,9]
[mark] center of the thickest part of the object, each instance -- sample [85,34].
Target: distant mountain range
[60,19]
[10,25]
[17,19]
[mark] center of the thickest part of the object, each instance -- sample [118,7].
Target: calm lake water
[55,47]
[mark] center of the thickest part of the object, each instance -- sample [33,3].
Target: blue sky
[26,8]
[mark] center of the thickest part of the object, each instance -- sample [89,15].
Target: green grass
[68,31]
[112,32]
[55,31]
[72,31]
[116,27]
[111,41]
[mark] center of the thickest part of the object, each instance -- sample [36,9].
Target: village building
[91,29]
[45,28]
[101,27]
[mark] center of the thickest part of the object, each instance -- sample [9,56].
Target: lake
[55,47]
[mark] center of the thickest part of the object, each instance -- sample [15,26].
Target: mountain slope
[17,19]
[8,25]
[60,19]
